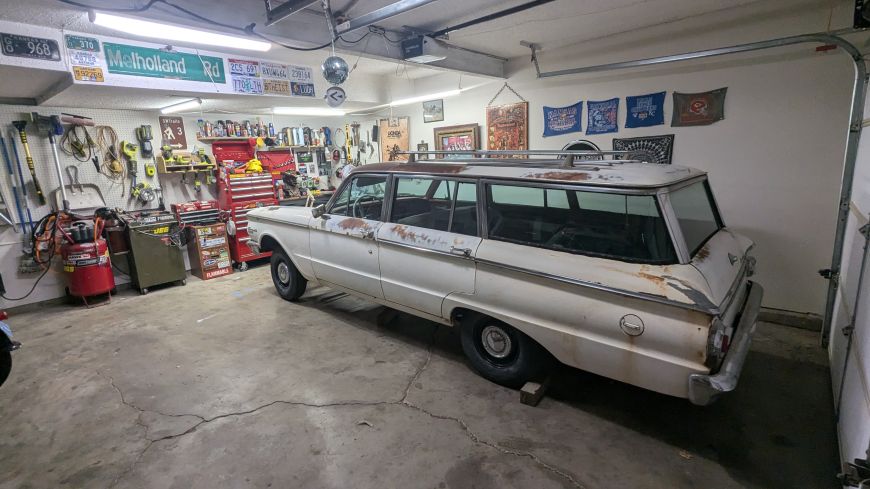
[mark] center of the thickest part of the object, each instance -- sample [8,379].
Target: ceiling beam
[286,9]
[308,28]
[380,14]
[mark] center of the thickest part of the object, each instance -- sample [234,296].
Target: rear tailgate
[724,261]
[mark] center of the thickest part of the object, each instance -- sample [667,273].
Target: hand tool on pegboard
[13,184]
[348,142]
[20,171]
[21,126]
[52,127]
[128,149]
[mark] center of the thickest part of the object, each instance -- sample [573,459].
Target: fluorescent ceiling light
[424,98]
[308,111]
[167,32]
[183,106]
[426,58]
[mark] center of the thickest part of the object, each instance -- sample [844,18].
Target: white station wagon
[620,268]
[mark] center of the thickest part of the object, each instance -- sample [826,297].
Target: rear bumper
[704,389]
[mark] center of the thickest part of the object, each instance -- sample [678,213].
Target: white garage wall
[775,162]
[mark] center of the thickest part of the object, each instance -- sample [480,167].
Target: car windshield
[695,211]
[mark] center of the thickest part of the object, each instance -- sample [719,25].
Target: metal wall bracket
[534,47]
[854,473]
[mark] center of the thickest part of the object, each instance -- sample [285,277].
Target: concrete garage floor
[223,384]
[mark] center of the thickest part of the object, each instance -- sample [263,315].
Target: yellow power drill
[129,150]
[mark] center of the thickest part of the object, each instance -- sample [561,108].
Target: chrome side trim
[704,389]
[593,285]
[424,250]
[257,218]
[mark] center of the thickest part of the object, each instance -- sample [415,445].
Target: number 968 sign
[29,47]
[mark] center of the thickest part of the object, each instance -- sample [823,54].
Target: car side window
[436,203]
[363,197]
[626,227]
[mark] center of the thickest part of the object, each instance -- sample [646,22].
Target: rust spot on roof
[352,223]
[573,176]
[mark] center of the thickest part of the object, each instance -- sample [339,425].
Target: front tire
[501,353]
[289,283]
[5,365]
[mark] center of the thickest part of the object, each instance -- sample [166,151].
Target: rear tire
[5,365]
[289,283]
[502,353]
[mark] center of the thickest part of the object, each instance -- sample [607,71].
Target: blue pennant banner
[602,116]
[645,110]
[562,120]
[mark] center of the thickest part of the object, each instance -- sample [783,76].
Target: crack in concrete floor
[403,402]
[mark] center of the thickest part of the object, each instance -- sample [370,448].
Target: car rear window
[693,205]
[625,227]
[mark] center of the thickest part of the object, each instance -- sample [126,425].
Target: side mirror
[318,211]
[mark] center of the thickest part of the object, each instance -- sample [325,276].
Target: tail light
[717,344]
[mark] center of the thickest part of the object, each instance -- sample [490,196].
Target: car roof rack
[565,159]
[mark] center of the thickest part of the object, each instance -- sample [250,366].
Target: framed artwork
[423,146]
[395,138]
[658,149]
[507,126]
[433,111]
[457,138]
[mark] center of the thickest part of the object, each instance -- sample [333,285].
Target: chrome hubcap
[283,273]
[496,341]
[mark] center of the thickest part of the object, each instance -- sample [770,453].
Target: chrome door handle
[364,234]
[466,252]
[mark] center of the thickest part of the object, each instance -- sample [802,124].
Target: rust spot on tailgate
[660,281]
[352,223]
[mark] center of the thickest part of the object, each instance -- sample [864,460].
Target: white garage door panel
[854,424]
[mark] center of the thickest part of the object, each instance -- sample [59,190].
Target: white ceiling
[553,25]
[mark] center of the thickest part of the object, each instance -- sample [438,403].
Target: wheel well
[268,243]
[460,314]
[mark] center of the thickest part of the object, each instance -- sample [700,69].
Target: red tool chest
[238,193]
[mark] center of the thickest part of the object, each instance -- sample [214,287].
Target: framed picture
[507,126]
[457,138]
[653,149]
[395,138]
[433,110]
[423,146]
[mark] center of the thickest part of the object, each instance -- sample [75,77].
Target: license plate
[6,329]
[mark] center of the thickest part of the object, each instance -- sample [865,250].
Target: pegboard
[176,188]
[124,122]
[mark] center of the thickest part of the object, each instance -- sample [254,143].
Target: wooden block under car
[532,392]
[209,251]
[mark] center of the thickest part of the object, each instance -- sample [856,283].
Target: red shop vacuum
[86,261]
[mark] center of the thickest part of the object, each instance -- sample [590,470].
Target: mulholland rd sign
[124,59]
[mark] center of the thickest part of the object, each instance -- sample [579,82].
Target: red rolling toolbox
[238,193]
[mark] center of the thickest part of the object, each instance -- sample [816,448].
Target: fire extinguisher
[86,260]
